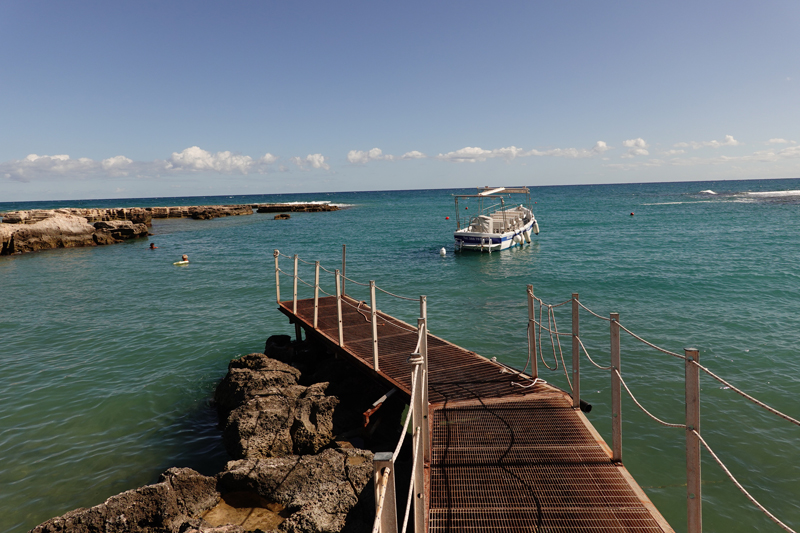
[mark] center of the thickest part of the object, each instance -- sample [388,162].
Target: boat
[495,226]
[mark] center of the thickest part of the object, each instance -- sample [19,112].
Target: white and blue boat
[495,226]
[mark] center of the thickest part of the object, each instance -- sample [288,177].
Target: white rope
[356,282]
[642,408]
[398,326]
[635,336]
[305,262]
[565,302]
[417,433]
[553,332]
[326,270]
[741,488]
[592,312]
[327,293]
[590,359]
[541,352]
[397,295]
[284,255]
[529,385]
[755,401]
[560,351]
[376,527]
[408,415]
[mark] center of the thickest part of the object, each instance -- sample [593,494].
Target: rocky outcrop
[54,229]
[266,413]
[319,491]
[137,215]
[294,208]
[206,212]
[180,495]
[288,475]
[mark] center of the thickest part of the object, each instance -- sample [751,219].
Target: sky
[126,99]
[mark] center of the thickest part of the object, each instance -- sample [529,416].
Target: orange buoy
[447,218]
[631,213]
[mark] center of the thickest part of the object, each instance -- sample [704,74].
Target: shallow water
[110,354]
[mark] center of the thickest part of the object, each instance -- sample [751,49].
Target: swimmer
[185,257]
[153,246]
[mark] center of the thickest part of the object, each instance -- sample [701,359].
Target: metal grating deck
[503,458]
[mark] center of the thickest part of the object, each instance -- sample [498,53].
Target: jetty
[495,449]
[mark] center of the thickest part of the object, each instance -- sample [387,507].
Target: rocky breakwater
[294,208]
[291,471]
[42,230]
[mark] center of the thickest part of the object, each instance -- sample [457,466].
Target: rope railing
[692,395]
[739,485]
[648,413]
[385,515]
[744,394]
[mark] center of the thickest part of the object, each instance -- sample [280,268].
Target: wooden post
[384,466]
[532,355]
[339,306]
[344,272]
[576,355]
[375,362]
[276,253]
[294,296]
[616,392]
[694,502]
[316,293]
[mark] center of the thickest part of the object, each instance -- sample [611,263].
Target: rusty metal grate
[504,458]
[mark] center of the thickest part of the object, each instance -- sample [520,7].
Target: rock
[55,231]
[181,495]
[318,490]
[214,211]
[279,347]
[115,231]
[250,376]
[265,413]
[282,216]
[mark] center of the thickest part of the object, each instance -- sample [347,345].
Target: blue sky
[131,99]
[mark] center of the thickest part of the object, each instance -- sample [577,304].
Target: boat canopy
[495,190]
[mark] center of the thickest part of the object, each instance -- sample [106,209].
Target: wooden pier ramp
[505,456]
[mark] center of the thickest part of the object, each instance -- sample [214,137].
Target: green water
[110,355]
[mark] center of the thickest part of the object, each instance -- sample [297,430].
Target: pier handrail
[693,438]
[384,463]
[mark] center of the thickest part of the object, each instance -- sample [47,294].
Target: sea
[109,355]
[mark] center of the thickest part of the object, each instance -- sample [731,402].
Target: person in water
[153,246]
[185,257]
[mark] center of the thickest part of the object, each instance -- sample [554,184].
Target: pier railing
[542,324]
[384,462]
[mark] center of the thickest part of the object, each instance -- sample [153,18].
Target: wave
[321,202]
[708,191]
[772,194]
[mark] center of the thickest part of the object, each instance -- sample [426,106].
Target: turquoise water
[110,355]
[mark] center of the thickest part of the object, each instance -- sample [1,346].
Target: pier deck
[503,457]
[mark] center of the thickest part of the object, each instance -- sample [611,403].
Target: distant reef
[43,229]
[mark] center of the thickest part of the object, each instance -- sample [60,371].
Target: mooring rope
[642,408]
[754,400]
[739,485]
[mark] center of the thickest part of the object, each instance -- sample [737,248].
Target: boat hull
[492,242]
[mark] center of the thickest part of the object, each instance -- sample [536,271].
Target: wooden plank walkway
[504,458]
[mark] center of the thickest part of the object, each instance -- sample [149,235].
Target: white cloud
[474,154]
[413,154]
[360,157]
[311,160]
[635,147]
[268,159]
[780,141]
[674,152]
[36,166]
[197,159]
[729,141]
